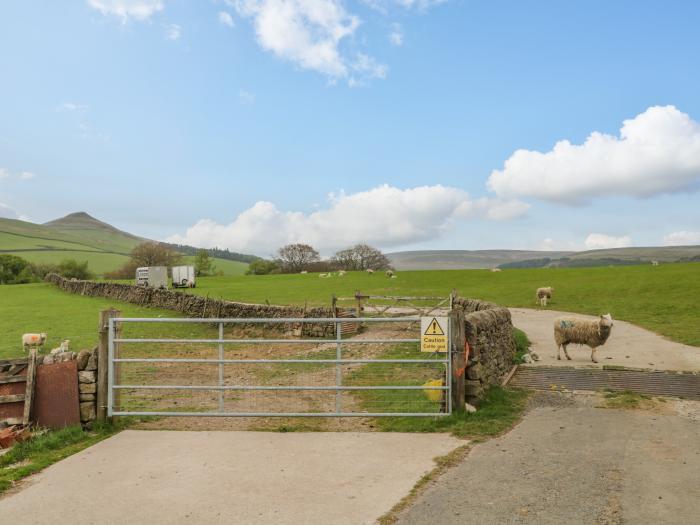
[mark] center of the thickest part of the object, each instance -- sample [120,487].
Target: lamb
[63,347]
[33,341]
[569,330]
[542,294]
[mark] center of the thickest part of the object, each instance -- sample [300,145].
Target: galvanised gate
[234,367]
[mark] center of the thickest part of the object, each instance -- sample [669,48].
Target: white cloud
[682,238]
[601,241]
[396,35]
[71,106]
[126,9]
[384,216]
[7,213]
[22,175]
[173,31]
[245,97]
[225,18]
[656,152]
[309,33]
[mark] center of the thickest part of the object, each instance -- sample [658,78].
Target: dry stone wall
[193,305]
[489,332]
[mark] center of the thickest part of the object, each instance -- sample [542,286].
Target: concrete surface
[628,345]
[574,465]
[229,477]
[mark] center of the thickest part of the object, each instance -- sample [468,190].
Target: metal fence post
[338,369]
[458,362]
[104,362]
[221,367]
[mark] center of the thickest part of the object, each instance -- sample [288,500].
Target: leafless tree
[294,258]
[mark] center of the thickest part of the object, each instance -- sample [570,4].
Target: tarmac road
[574,465]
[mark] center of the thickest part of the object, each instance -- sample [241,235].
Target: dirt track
[629,345]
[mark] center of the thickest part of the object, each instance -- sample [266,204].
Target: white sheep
[341,273]
[63,347]
[33,341]
[324,275]
[390,273]
[370,270]
[580,331]
[495,269]
[542,294]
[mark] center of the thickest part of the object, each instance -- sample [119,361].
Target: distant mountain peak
[81,220]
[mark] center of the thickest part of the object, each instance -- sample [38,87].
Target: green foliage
[522,344]
[203,264]
[262,267]
[15,270]
[72,269]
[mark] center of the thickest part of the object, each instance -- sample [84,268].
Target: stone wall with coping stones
[489,332]
[194,305]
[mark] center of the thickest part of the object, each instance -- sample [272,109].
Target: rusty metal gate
[233,368]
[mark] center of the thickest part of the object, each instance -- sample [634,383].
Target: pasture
[664,299]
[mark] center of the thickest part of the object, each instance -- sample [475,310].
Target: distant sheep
[324,275]
[63,347]
[542,294]
[575,330]
[33,341]
[495,269]
[654,263]
[390,273]
[303,272]
[370,270]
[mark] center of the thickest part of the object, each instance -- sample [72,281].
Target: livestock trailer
[183,277]
[152,276]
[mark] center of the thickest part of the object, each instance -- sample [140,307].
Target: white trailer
[183,277]
[152,276]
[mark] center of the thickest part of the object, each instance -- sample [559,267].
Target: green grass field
[665,299]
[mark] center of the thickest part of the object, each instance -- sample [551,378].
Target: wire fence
[261,367]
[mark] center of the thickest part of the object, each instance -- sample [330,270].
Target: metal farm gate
[308,367]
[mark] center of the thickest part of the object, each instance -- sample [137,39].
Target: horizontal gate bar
[265,320]
[276,361]
[270,341]
[284,387]
[283,414]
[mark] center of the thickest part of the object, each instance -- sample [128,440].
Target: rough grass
[628,400]
[43,450]
[522,344]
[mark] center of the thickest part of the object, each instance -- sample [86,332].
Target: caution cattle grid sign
[433,334]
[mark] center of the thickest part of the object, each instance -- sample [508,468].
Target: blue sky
[253,123]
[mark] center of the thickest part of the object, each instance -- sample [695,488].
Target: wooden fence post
[103,361]
[458,356]
[29,390]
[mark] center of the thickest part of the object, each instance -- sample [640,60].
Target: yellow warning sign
[433,336]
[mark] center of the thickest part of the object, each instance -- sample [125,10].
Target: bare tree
[146,254]
[361,257]
[297,257]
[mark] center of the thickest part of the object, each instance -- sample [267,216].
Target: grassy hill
[474,259]
[84,238]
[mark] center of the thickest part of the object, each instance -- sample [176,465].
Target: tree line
[299,257]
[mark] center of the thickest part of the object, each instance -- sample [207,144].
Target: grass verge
[29,457]
[522,344]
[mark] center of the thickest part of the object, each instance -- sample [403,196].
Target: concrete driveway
[575,464]
[629,345]
[172,477]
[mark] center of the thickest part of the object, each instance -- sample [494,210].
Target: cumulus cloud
[245,97]
[384,216]
[126,9]
[225,18]
[601,241]
[173,31]
[22,175]
[7,213]
[72,106]
[656,152]
[309,33]
[682,238]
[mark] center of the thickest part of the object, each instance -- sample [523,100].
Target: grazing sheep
[303,272]
[495,269]
[324,275]
[341,273]
[33,340]
[389,273]
[370,270]
[542,294]
[569,330]
[654,263]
